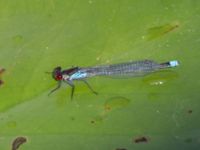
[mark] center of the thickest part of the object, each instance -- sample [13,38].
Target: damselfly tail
[170,64]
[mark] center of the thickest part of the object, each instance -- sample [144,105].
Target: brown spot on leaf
[92,122]
[72,118]
[1,82]
[116,103]
[188,140]
[2,70]
[107,108]
[158,31]
[142,139]
[17,142]
[190,111]
[121,149]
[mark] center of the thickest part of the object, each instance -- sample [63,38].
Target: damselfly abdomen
[132,69]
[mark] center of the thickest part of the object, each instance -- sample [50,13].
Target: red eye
[59,77]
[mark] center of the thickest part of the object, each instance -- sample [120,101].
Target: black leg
[73,88]
[91,89]
[59,84]
[72,92]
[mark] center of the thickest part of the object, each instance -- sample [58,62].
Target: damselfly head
[57,74]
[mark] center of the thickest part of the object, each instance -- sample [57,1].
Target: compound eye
[58,77]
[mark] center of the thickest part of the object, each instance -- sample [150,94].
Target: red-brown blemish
[17,142]
[142,139]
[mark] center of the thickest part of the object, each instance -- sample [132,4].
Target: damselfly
[133,69]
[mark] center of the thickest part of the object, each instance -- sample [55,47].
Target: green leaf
[162,108]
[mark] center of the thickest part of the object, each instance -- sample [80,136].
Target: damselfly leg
[88,85]
[70,83]
[59,85]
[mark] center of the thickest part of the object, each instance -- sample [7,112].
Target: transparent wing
[130,69]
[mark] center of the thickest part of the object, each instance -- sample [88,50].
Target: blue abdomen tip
[174,63]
